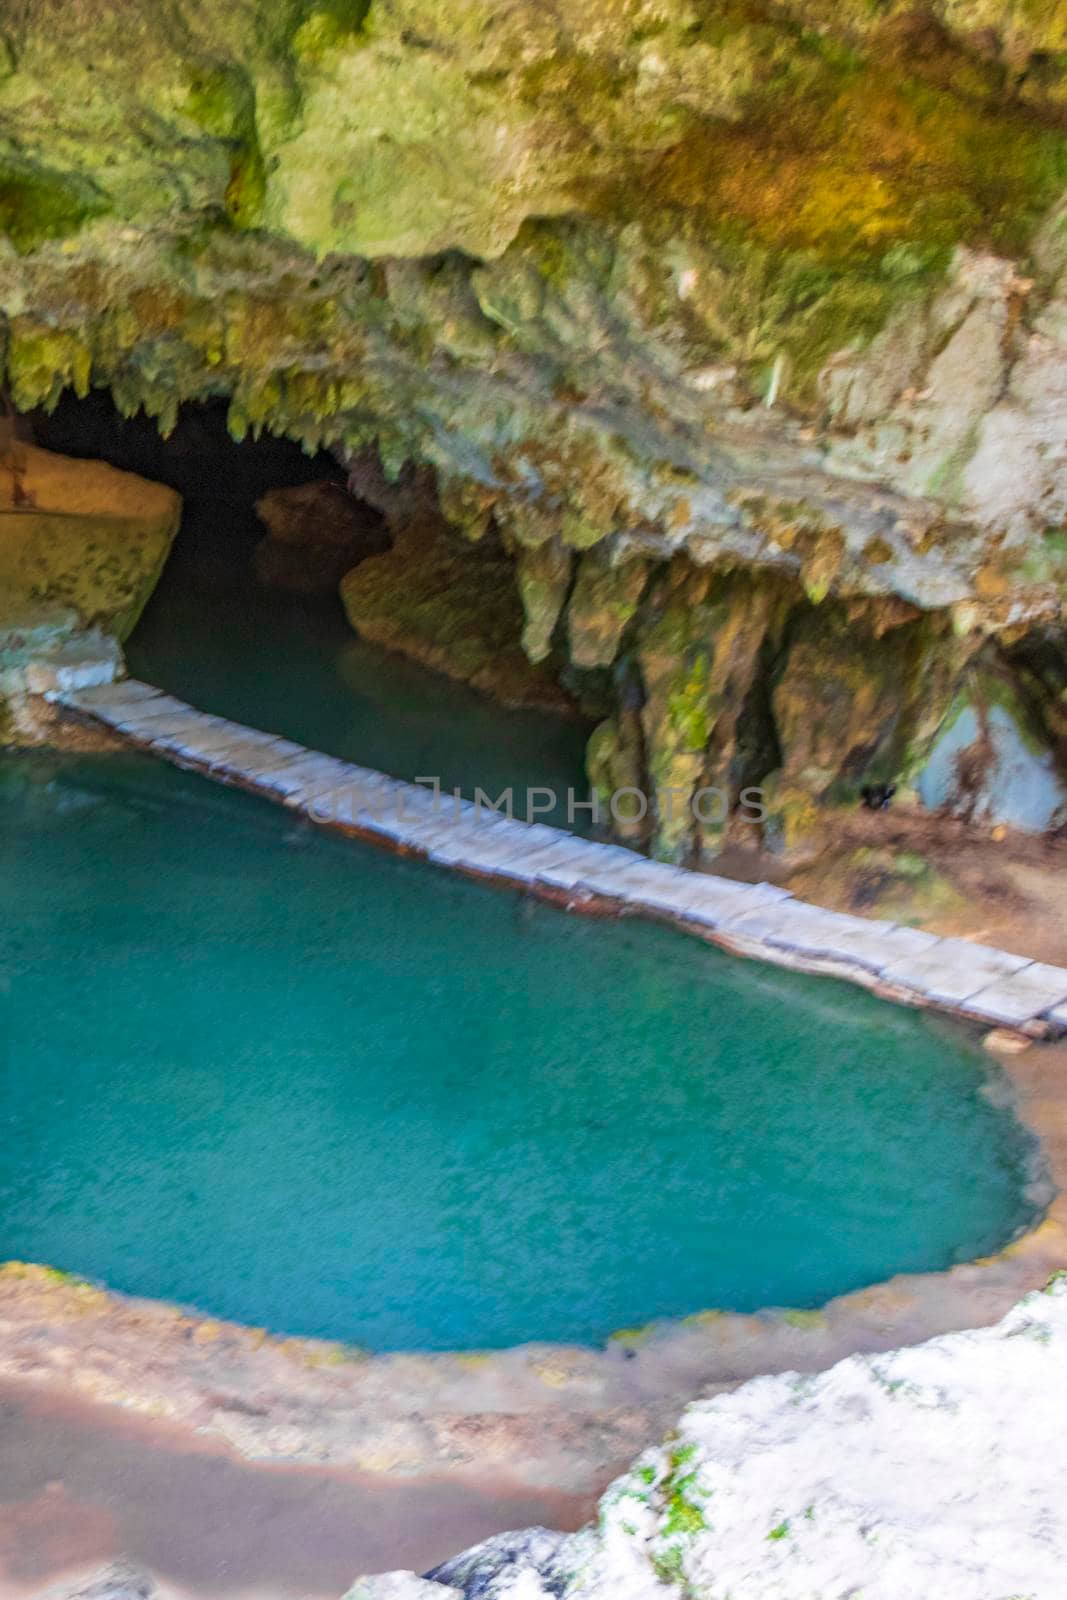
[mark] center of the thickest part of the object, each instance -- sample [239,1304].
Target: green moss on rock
[453,606]
[38,203]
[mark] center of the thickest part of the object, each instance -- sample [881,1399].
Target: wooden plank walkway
[759,920]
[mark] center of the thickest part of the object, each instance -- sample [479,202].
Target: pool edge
[554,1415]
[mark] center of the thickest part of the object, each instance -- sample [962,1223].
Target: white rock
[117,1582]
[399,1586]
[938,1470]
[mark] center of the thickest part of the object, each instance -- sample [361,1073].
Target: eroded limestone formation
[736,332]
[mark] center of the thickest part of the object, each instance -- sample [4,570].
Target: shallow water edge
[550,1416]
[564,1417]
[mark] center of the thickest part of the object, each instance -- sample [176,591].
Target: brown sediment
[937,872]
[82,1485]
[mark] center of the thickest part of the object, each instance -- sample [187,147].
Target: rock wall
[80,535]
[740,328]
[81,549]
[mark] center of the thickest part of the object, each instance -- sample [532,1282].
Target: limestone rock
[544,575]
[615,761]
[510,1566]
[45,650]
[1016,478]
[84,535]
[454,606]
[921,443]
[853,706]
[555,258]
[698,644]
[991,762]
[317,533]
[400,1586]
[603,604]
[775,293]
[932,1470]
[120,1581]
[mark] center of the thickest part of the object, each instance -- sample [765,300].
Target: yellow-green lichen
[221,99]
[330,25]
[37,203]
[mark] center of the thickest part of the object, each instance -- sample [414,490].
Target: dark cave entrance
[220,479]
[246,620]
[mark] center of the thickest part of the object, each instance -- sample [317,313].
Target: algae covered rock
[544,575]
[84,535]
[698,645]
[453,606]
[991,761]
[615,762]
[604,603]
[595,268]
[648,291]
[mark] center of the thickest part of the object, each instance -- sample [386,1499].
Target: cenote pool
[285,1079]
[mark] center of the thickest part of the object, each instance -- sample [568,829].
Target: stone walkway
[759,920]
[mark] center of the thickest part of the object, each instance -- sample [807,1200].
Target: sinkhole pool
[286,1079]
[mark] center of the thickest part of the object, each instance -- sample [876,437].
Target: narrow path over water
[213,635]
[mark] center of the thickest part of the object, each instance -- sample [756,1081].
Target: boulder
[83,535]
[510,1566]
[120,1581]
[399,1586]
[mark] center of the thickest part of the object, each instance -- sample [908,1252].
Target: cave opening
[348,1095]
[247,621]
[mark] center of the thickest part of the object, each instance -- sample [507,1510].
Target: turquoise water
[214,637]
[289,1080]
